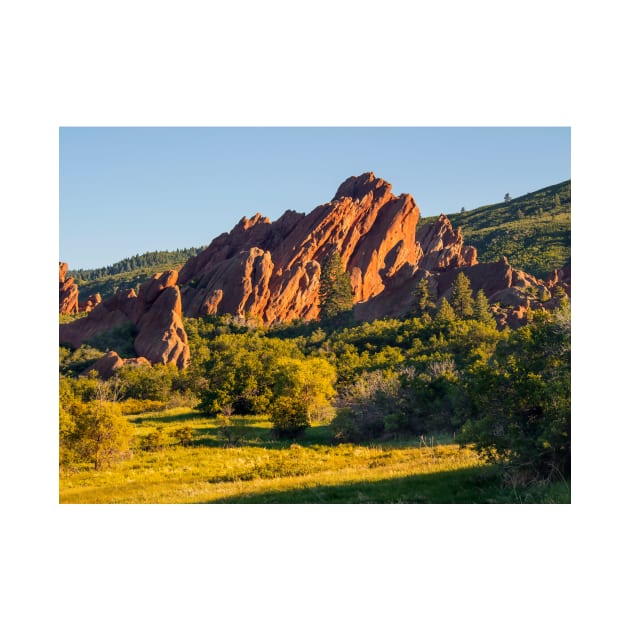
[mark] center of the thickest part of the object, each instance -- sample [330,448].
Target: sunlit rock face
[270,270]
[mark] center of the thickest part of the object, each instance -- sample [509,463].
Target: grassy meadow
[245,464]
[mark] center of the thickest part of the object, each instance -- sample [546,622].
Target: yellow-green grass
[263,470]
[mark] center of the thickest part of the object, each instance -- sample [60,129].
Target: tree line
[138,261]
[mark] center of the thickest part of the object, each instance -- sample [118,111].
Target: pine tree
[481,308]
[461,296]
[335,289]
[445,312]
[425,297]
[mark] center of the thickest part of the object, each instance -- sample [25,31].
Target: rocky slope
[155,315]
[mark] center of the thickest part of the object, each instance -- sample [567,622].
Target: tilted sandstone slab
[155,316]
[68,292]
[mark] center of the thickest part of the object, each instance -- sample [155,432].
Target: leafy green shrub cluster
[520,401]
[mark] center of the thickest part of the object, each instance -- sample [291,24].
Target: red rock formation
[89,304]
[110,362]
[155,316]
[271,270]
[69,295]
[443,248]
[68,292]
[561,278]
[161,337]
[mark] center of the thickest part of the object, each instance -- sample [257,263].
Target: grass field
[258,469]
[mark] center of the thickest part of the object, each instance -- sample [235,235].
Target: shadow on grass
[261,437]
[467,485]
[252,434]
[159,419]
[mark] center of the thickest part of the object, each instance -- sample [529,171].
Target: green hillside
[128,273]
[533,231]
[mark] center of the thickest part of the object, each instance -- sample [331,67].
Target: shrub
[231,430]
[183,435]
[289,417]
[147,382]
[102,433]
[153,441]
[521,401]
[366,404]
[344,426]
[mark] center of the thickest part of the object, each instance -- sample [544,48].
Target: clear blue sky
[125,191]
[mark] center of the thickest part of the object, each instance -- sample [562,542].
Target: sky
[128,190]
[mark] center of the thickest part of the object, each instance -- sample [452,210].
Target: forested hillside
[533,231]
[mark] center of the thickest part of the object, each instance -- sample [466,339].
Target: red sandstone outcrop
[90,303]
[154,317]
[560,278]
[270,270]
[443,248]
[69,295]
[111,361]
[68,292]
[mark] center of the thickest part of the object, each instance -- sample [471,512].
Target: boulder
[111,361]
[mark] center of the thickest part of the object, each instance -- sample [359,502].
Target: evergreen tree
[481,308]
[507,198]
[461,296]
[425,297]
[335,290]
[445,312]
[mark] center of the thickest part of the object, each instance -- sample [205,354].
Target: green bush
[183,435]
[147,382]
[289,417]
[345,427]
[101,435]
[520,402]
[153,441]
